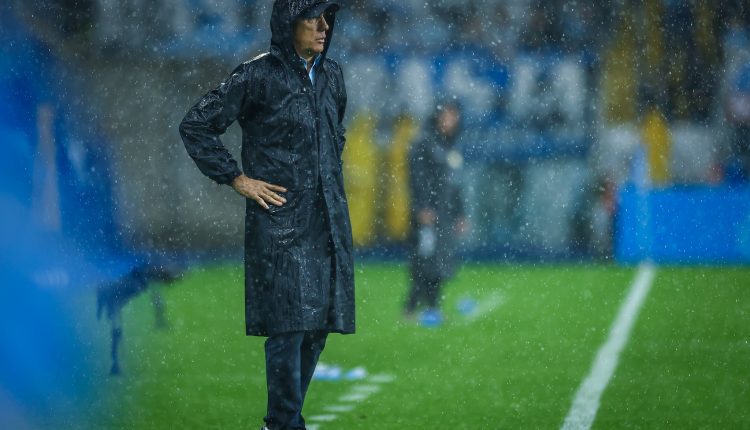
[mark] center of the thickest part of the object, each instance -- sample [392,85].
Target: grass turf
[516,366]
[687,364]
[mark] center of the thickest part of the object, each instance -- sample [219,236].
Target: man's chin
[312,52]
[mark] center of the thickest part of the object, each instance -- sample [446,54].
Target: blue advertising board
[684,225]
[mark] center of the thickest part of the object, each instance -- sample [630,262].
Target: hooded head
[285,15]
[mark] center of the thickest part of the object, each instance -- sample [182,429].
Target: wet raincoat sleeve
[208,120]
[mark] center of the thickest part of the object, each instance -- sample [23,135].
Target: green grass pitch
[515,365]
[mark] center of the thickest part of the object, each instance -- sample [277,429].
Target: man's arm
[207,121]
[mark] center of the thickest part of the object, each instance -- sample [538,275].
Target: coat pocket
[284,217]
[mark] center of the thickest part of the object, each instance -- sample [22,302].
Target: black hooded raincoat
[435,176]
[292,135]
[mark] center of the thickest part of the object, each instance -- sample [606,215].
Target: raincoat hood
[285,13]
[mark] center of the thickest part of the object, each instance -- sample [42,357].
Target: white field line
[325,418]
[339,408]
[586,402]
[494,301]
[348,401]
[367,389]
[381,378]
[354,397]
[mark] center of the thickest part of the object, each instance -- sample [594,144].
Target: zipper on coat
[312,91]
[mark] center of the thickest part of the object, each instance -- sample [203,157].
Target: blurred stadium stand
[559,98]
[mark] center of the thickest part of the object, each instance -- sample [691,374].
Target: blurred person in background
[737,100]
[299,279]
[437,212]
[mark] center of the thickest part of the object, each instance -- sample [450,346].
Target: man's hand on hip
[262,192]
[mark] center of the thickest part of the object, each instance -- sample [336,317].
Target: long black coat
[292,135]
[435,176]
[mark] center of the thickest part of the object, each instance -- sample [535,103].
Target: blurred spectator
[548,94]
[690,59]
[737,100]
[415,87]
[543,29]
[64,17]
[500,34]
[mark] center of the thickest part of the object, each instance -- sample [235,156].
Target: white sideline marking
[339,408]
[324,418]
[366,389]
[583,410]
[494,301]
[353,397]
[381,378]
[356,394]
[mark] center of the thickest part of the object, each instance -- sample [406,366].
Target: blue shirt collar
[312,72]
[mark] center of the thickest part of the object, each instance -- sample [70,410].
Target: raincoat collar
[313,69]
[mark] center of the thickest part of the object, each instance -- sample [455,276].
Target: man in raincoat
[437,211]
[299,280]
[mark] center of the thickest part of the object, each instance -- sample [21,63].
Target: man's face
[310,36]
[448,121]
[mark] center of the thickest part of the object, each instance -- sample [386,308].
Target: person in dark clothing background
[437,214]
[299,278]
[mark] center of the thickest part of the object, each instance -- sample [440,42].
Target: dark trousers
[425,291]
[290,362]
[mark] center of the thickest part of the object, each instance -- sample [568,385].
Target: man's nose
[323,24]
